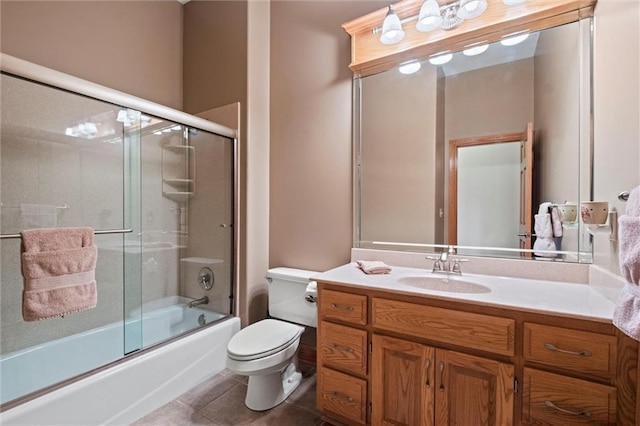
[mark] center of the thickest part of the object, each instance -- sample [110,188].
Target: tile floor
[219,401]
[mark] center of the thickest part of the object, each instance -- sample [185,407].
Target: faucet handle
[432,257]
[456,265]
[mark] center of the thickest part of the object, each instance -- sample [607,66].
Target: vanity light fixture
[475,49]
[441,58]
[513,39]
[448,16]
[391,28]
[409,67]
[433,16]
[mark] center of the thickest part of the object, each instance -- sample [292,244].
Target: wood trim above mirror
[369,56]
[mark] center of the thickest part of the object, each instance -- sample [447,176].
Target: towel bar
[106,231]
[623,196]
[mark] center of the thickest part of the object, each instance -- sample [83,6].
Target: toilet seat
[262,339]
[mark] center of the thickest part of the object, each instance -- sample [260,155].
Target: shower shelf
[178,172]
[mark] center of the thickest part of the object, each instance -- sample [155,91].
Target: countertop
[575,300]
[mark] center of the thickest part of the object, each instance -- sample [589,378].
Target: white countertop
[549,297]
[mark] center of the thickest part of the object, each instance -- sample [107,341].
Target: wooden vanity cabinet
[416,384]
[389,359]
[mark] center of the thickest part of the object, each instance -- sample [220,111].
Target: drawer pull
[441,388]
[342,396]
[426,372]
[583,413]
[342,347]
[348,308]
[554,348]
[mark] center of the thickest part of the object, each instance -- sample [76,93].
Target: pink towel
[627,312]
[373,267]
[58,266]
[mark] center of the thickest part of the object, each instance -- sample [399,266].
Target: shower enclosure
[158,188]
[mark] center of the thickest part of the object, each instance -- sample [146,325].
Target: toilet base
[267,391]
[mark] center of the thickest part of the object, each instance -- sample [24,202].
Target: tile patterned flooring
[219,401]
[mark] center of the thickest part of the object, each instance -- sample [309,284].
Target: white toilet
[267,350]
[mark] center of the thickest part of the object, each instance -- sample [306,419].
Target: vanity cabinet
[343,354]
[399,359]
[417,384]
[557,398]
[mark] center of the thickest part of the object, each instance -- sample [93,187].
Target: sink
[442,283]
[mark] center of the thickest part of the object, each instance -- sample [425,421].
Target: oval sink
[447,284]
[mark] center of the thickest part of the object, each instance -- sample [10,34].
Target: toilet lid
[262,339]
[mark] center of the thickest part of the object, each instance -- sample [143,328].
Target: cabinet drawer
[343,347]
[347,307]
[574,350]
[477,331]
[343,395]
[559,400]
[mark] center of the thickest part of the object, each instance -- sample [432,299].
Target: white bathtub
[125,392]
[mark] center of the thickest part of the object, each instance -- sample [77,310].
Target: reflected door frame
[455,144]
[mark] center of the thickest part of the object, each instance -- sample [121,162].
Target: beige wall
[310,162]
[132,46]
[616,111]
[398,156]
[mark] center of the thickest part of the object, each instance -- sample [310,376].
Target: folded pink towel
[626,315]
[373,267]
[58,266]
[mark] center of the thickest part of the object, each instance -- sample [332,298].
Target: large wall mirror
[467,152]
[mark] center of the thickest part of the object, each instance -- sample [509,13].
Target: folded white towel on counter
[373,267]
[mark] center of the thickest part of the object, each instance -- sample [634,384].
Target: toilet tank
[287,287]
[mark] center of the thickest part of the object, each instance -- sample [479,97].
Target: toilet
[266,351]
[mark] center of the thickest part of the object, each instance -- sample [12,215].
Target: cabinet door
[472,390]
[402,382]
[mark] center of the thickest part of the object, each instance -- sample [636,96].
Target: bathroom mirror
[414,177]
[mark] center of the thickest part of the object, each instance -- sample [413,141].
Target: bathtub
[125,391]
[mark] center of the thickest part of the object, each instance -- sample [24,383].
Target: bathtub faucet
[201,301]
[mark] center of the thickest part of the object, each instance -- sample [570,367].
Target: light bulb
[513,40]
[409,67]
[475,50]
[441,59]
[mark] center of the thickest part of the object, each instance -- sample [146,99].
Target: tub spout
[201,301]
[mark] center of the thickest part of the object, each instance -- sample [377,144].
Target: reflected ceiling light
[475,50]
[409,67]
[512,2]
[391,28]
[440,58]
[512,40]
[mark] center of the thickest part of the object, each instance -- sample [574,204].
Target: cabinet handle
[554,348]
[583,413]
[344,308]
[342,347]
[342,396]
[441,388]
[426,372]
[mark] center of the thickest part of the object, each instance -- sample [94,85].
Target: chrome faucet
[446,263]
[196,302]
